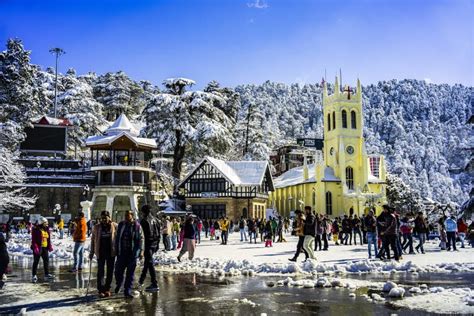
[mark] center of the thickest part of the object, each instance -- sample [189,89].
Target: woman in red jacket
[41,246]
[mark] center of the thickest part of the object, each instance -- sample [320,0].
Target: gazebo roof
[120,129]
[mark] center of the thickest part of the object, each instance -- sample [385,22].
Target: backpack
[241,224]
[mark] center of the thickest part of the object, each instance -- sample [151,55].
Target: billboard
[45,139]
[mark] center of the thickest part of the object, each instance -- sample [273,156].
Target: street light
[58,52]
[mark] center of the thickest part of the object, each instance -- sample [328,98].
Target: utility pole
[58,52]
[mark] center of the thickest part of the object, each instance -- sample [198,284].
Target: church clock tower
[344,148]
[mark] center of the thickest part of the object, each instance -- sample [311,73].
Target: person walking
[206,227]
[442,232]
[61,228]
[166,231]
[462,231]
[309,231]
[421,230]
[335,230]
[451,230]
[274,226]
[224,226]
[129,245]
[356,229]
[79,238]
[261,228]
[370,224]
[325,223]
[104,234]
[41,246]
[242,225]
[4,259]
[151,234]
[318,233]
[252,228]
[279,228]
[268,234]
[406,229]
[299,232]
[174,233]
[390,233]
[346,230]
[189,244]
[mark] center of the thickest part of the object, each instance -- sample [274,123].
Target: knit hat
[42,220]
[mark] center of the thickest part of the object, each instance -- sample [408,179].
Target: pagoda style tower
[122,163]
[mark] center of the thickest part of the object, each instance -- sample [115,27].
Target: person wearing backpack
[242,224]
[151,233]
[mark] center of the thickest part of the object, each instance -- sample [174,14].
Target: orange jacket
[80,230]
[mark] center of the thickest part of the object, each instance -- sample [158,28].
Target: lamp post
[58,52]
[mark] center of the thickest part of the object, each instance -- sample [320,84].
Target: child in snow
[268,234]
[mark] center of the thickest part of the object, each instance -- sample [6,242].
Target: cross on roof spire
[348,90]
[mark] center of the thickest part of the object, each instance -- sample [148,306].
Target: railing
[120,162]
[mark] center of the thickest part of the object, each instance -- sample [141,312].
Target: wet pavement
[185,294]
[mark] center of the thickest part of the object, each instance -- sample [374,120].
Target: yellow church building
[344,179]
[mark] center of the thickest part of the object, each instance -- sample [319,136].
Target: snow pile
[232,267]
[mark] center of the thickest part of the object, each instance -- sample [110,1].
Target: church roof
[240,173]
[120,128]
[294,177]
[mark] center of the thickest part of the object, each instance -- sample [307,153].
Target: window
[328,203]
[333,120]
[353,120]
[329,121]
[375,166]
[207,185]
[344,119]
[350,178]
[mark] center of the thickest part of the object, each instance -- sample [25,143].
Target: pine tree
[188,123]
[118,94]
[19,95]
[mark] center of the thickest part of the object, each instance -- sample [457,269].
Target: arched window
[333,120]
[329,121]
[314,198]
[353,120]
[344,119]
[328,203]
[350,178]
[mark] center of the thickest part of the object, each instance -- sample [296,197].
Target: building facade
[344,179]
[124,179]
[216,188]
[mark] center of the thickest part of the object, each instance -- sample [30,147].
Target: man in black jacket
[309,231]
[151,232]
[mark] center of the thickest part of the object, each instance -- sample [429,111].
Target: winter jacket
[95,239]
[299,226]
[405,227]
[37,238]
[420,226]
[251,225]
[335,227]
[310,225]
[4,259]
[224,224]
[151,232]
[451,225]
[462,227]
[189,230]
[391,224]
[137,238]
[370,224]
[61,224]
[80,230]
[346,225]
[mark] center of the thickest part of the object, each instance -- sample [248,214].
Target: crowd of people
[118,247]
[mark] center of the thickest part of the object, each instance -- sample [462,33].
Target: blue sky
[251,41]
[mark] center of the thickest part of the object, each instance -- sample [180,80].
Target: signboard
[45,139]
[66,217]
[311,142]
[209,194]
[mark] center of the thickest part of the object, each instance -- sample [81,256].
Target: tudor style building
[344,179]
[218,188]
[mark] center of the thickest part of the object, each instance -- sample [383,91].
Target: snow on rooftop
[329,175]
[122,124]
[294,176]
[243,173]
